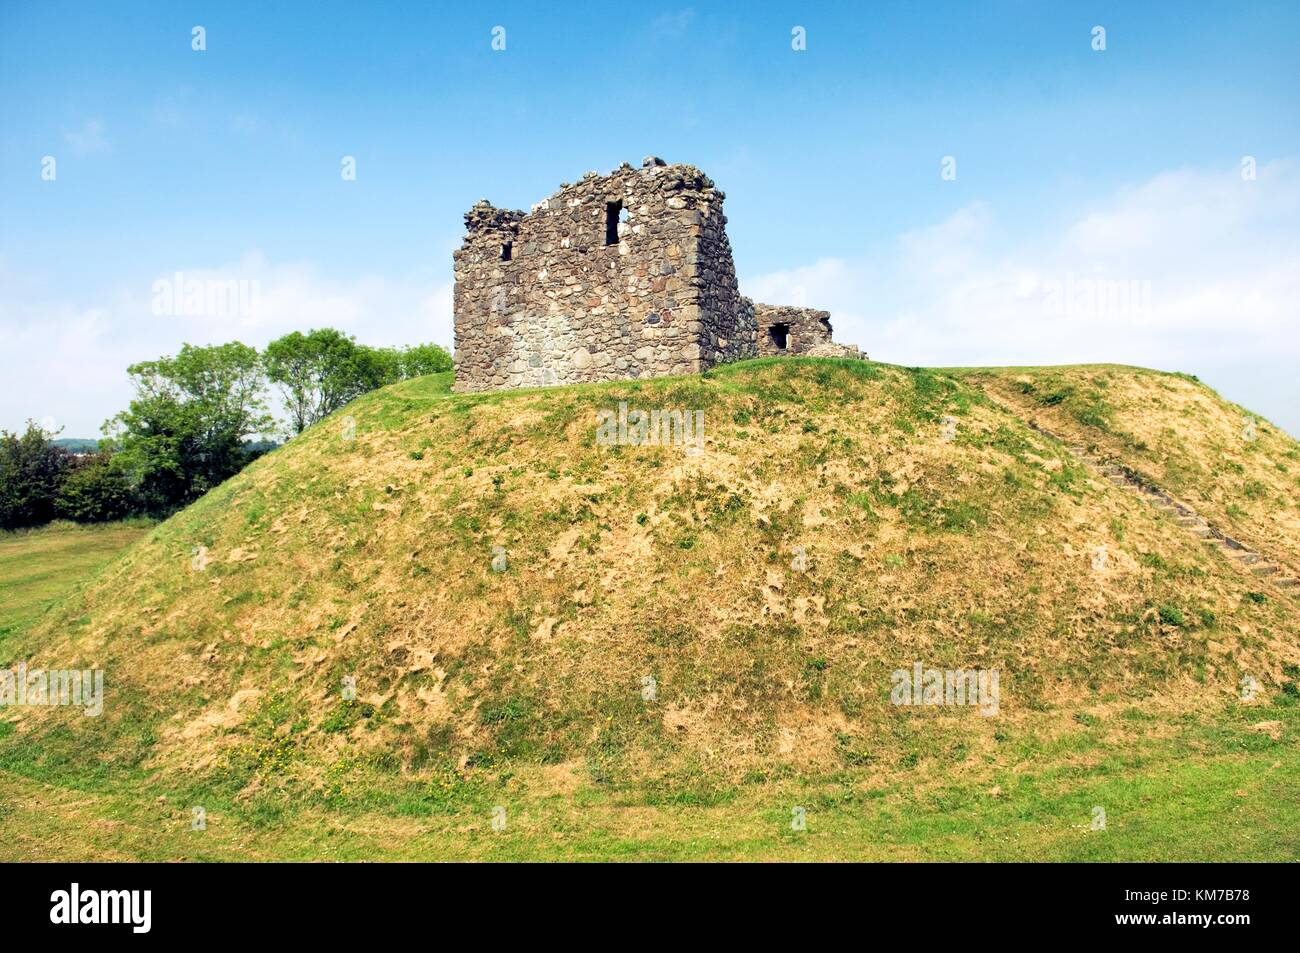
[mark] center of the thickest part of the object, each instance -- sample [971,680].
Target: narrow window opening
[506,251]
[780,334]
[612,211]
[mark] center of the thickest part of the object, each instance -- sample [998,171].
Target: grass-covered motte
[1236,468]
[500,586]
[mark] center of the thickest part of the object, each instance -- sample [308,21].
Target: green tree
[321,371]
[392,364]
[32,470]
[381,365]
[424,359]
[185,431]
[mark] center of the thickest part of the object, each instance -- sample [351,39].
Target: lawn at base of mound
[1220,789]
[39,566]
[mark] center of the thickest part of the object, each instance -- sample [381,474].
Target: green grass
[1214,789]
[334,556]
[40,566]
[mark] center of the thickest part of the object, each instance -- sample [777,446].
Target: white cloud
[1221,259]
[246,123]
[275,298]
[86,350]
[672,26]
[1202,269]
[88,139]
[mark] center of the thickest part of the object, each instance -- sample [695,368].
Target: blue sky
[1117,165]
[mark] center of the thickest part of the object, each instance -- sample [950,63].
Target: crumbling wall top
[654,175]
[483,215]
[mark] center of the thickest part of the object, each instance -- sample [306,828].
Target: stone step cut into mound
[620,276]
[1184,516]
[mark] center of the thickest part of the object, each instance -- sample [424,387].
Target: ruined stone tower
[618,276]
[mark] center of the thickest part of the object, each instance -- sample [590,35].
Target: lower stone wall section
[788,330]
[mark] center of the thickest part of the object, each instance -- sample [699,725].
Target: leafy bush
[96,491]
[32,469]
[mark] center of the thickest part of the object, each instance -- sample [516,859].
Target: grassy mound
[1236,468]
[528,613]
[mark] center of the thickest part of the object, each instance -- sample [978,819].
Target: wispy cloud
[1219,255]
[88,139]
[46,338]
[1217,259]
[672,25]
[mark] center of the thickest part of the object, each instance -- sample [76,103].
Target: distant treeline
[195,421]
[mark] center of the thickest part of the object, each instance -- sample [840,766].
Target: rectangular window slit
[612,210]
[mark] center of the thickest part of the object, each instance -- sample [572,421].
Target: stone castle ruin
[619,276]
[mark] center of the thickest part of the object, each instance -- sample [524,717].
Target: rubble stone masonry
[619,276]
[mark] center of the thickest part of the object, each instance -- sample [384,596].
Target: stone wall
[787,330]
[617,276]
